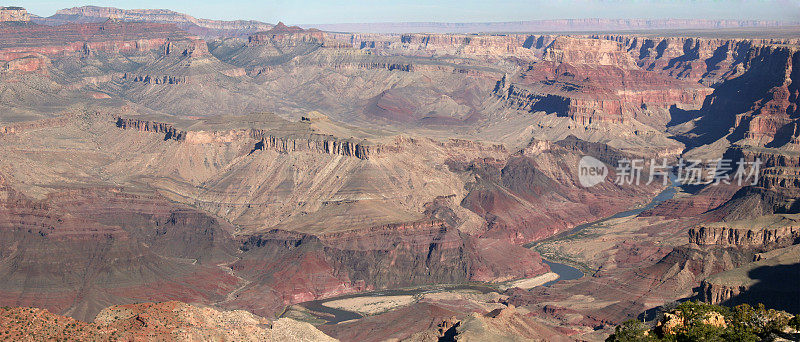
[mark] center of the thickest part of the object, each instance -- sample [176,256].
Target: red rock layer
[196,26]
[263,139]
[708,61]
[697,204]
[12,13]
[746,237]
[592,80]
[769,285]
[74,39]
[775,113]
[294,36]
[292,267]
[535,193]
[79,250]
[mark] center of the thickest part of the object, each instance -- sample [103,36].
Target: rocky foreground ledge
[173,321]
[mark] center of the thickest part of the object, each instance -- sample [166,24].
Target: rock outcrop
[588,51]
[14,13]
[301,267]
[196,26]
[553,25]
[593,80]
[511,194]
[263,139]
[757,107]
[706,60]
[156,321]
[756,236]
[766,280]
[293,36]
[84,39]
[175,247]
[169,131]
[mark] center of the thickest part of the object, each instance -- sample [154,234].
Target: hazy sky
[349,11]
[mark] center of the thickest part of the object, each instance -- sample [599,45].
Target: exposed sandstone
[333,264]
[156,321]
[706,60]
[593,80]
[82,39]
[262,139]
[588,51]
[673,322]
[763,232]
[766,280]
[292,36]
[30,63]
[14,13]
[196,26]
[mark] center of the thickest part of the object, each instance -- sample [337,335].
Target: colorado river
[662,196]
[565,272]
[334,315]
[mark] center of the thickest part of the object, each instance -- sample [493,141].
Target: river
[334,316]
[565,272]
[662,196]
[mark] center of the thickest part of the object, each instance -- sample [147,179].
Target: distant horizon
[316,12]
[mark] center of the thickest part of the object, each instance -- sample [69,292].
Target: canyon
[219,174]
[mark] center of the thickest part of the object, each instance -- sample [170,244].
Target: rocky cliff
[84,39]
[13,13]
[705,60]
[300,267]
[262,139]
[466,45]
[593,80]
[511,194]
[555,25]
[764,232]
[168,321]
[200,27]
[169,131]
[175,247]
[293,36]
[588,51]
[766,280]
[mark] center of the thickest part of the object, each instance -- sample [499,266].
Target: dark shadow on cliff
[712,63]
[551,104]
[691,52]
[777,287]
[735,96]
[678,116]
[783,136]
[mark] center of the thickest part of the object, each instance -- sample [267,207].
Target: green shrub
[631,330]
[743,323]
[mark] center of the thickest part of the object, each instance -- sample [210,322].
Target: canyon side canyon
[169,177]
